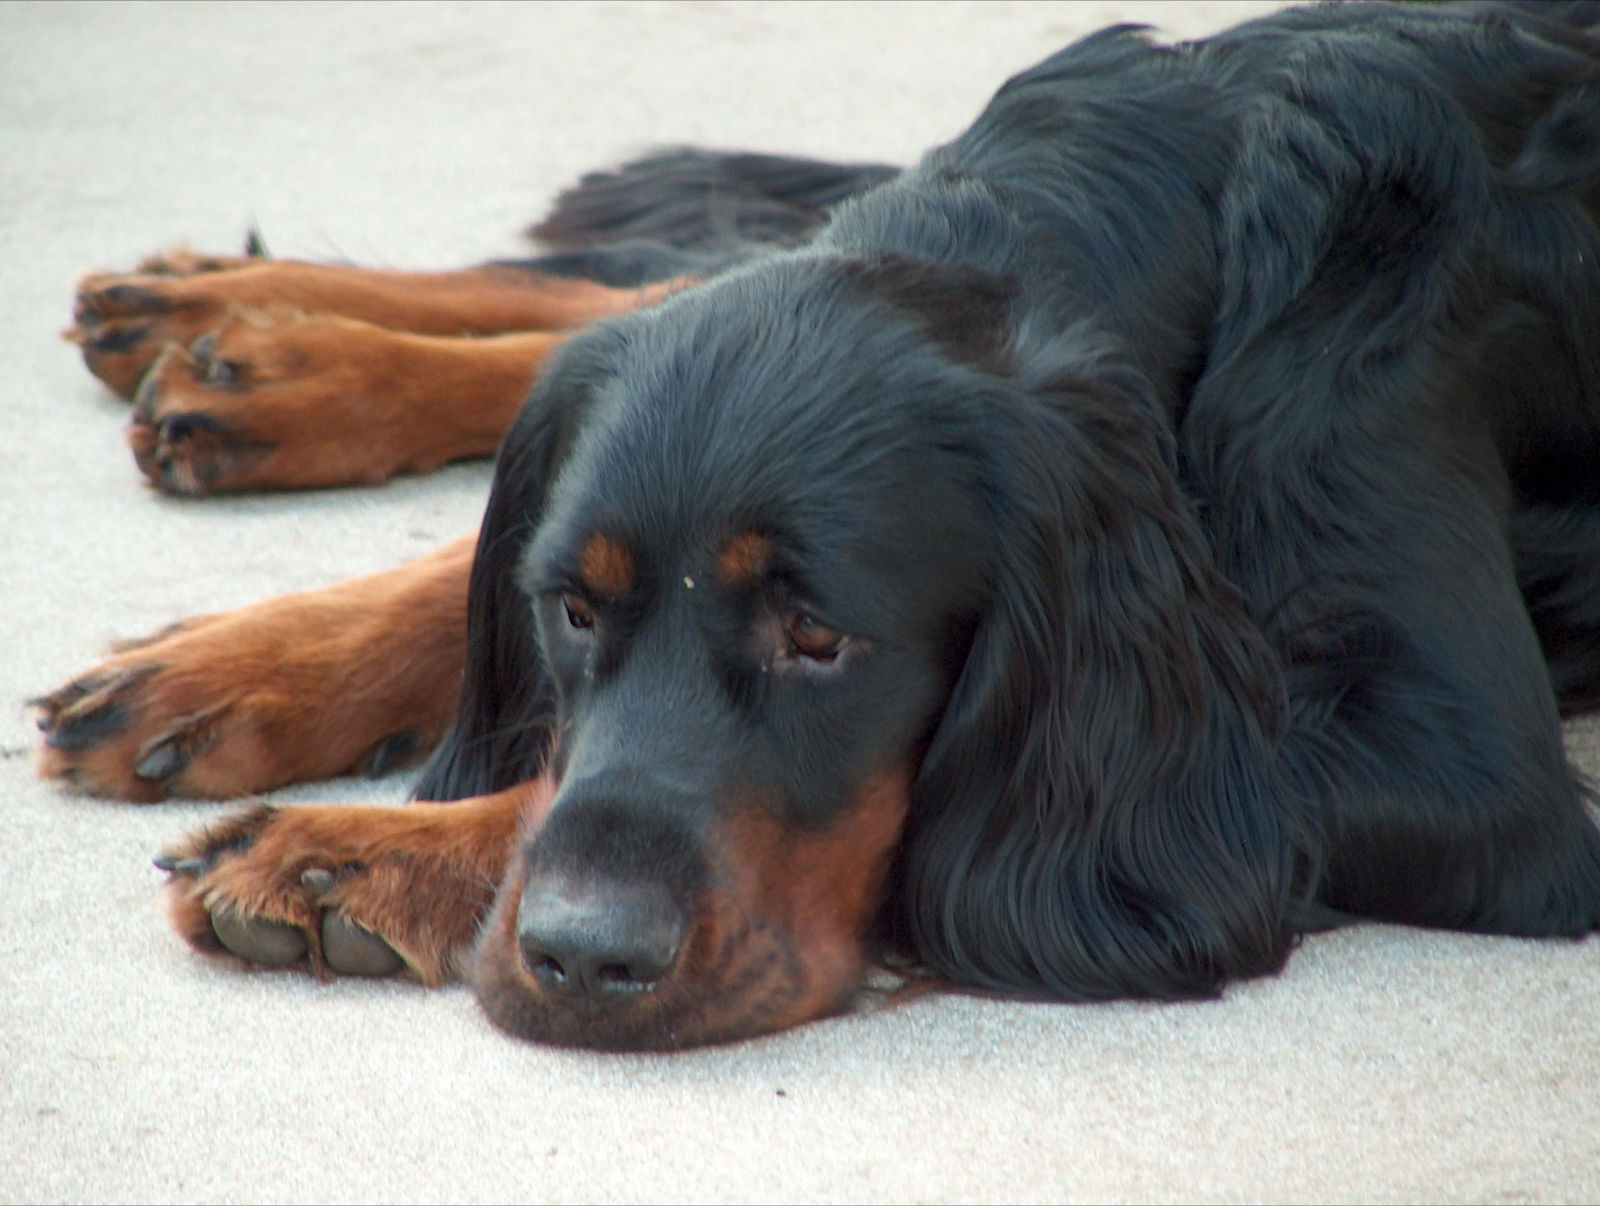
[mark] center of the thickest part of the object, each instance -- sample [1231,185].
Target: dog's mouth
[726,975]
[776,936]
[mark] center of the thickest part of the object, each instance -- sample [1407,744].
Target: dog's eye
[579,614]
[813,639]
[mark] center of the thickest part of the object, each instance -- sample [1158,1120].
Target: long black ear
[1098,813]
[502,728]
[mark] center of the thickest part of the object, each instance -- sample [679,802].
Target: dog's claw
[126,298]
[145,396]
[174,429]
[161,763]
[173,865]
[89,710]
[116,338]
[73,730]
[318,879]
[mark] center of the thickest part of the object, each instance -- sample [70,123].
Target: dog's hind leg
[288,401]
[262,374]
[123,321]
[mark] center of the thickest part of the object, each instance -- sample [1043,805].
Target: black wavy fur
[682,211]
[1256,384]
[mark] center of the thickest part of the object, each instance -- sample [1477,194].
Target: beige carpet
[1386,1064]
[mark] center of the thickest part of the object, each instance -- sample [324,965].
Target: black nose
[600,943]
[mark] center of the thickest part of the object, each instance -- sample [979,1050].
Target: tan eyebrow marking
[606,567]
[744,559]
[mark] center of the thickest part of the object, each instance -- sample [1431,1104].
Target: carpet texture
[1385,1064]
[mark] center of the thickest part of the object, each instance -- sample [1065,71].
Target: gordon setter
[1161,522]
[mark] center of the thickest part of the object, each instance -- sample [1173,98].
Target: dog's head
[841,618]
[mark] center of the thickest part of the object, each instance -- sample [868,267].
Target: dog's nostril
[546,970]
[620,978]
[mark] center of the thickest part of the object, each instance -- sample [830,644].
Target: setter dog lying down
[1161,522]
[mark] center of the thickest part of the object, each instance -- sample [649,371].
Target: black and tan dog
[1162,521]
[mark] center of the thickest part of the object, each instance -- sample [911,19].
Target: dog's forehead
[724,430]
[638,497]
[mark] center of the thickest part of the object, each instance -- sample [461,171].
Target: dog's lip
[686,1008]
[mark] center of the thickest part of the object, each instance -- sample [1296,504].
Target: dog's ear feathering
[502,731]
[1098,813]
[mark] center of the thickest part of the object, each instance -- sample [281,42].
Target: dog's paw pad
[353,950]
[256,940]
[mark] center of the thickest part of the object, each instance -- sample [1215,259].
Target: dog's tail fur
[698,200]
[683,210]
